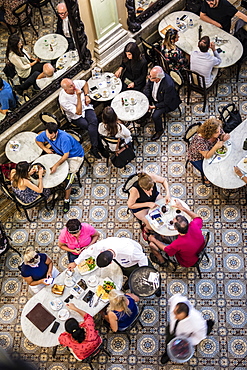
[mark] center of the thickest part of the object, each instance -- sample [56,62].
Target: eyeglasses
[152,78]
[33,259]
[62,13]
[210,1]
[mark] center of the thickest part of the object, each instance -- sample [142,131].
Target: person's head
[14,44]
[118,301]
[213,3]
[156,74]
[31,257]
[62,10]
[48,69]
[72,327]
[132,51]
[1,83]
[181,224]
[109,119]
[68,86]
[21,172]
[51,130]
[210,129]
[171,37]
[104,258]
[145,181]
[204,44]
[181,311]
[74,226]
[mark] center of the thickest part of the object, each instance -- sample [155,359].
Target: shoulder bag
[122,156]
[230,117]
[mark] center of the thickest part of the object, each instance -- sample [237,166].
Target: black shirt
[222,14]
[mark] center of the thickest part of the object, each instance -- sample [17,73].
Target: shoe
[164,358]
[18,89]
[154,259]
[66,207]
[156,135]
[145,234]
[69,181]
[95,153]
[158,292]
[207,183]
[210,324]
[126,285]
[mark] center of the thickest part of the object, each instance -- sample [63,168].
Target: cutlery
[213,159]
[96,303]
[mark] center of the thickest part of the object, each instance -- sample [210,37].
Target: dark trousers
[157,118]
[71,45]
[30,81]
[89,123]
[72,257]
[198,165]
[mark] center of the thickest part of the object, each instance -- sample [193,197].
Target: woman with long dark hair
[81,337]
[133,70]
[173,54]
[111,127]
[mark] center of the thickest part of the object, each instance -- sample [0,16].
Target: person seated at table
[80,337]
[75,237]
[27,68]
[174,55]
[24,189]
[203,62]
[240,174]
[63,25]
[220,13]
[36,268]
[134,68]
[110,127]
[143,195]
[7,98]
[163,97]
[47,76]
[208,139]
[122,310]
[184,248]
[75,101]
[68,148]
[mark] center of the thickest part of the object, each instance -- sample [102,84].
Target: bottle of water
[191,24]
[177,21]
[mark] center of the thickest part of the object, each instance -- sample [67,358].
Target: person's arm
[113,321]
[78,103]
[29,184]
[43,147]
[241,16]
[94,237]
[41,75]
[3,111]
[61,160]
[72,307]
[86,91]
[118,72]
[134,195]
[50,267]
[217,58]
[133,296]
[29,280]
[207,19]
[190,213]
[209,153]
[163,181]
[65,248]
[240,174]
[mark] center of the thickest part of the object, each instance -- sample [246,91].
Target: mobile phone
[93,88]
[88,296]
[82,284]
[54,328]
[97,96]
[49,280]
[219,50]
[183,17]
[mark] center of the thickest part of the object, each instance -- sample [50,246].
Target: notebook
[40,317]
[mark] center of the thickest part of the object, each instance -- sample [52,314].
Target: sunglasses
[33,259]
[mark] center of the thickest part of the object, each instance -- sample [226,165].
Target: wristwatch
[241,177]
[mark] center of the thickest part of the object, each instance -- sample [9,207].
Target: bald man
[47,76]
[163,97]
[63,25]
[75,101]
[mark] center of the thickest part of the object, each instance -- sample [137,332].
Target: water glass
[127,108]
[132,110]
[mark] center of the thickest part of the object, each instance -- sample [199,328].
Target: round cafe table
[55,179]
[50,46]
[28,150]
[67,60]
[133,111]
[107,90]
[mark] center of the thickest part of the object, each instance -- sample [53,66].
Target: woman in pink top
[81,337]
[75,237]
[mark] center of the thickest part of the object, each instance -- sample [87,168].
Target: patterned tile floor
[220,295]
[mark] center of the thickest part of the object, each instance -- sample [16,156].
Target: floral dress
[175,58]
[29,195]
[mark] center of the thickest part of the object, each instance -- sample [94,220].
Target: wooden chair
[38,4]
[149,51]
[161,60]
[126,188]
[196,82]
[24,18]
[5,242]
[46,117]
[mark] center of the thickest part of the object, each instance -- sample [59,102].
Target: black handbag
[123,156]
[230,117]
[9,70]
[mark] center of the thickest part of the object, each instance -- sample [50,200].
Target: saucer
[69,282]
[56,304]
[93,283]
[63,314]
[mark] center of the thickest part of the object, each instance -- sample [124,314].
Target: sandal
[145,233]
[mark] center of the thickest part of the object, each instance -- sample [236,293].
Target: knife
[213,158]
[96,303]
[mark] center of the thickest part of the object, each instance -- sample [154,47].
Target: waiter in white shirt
[63,26]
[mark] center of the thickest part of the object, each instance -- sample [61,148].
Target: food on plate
[58,289]
[245,160]
[86,265]
[105,289]
[221,150]
[36,168]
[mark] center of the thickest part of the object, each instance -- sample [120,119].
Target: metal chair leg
[27,216]
[54,351]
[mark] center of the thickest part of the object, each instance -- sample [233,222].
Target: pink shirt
[186,247]
[83,240]
[88,346]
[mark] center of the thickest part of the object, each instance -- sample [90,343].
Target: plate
[35,175]
[56,304]
[69,282]
[242,166]
[86,272]
[222,154]
[94,281]
[63,314]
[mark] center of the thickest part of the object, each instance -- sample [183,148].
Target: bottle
[122,102]
[126,102]
[200,32]
[177,21]
[245,144]
[51,48]
[191,24]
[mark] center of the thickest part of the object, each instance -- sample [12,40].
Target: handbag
[122,156]
[244,4]
[230,117]
[9,70]
[6,169]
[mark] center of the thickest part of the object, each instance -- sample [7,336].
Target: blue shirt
[64,143]
[36,273]
[7,99]
[125,320]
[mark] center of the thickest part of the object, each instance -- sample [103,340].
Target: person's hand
[212,46]
[217,24]
[54,168]
[32,171]
[151,106]
[151,238]
[178,204]
[167,199]
[78,92]
[225,137]
[77,250]
[238,171]
[48,275]
[219,144]
[118,73]
[37,60]
[49,151]
[71,306]
[131,85]
[71,266]
[41,171]
[152,204]
[87,100]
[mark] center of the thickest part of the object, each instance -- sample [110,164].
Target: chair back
[134,322]
[106,141]
[161,60]
[95,352]
[130,182]
[191,131]
[75,135]
[195,81]
[22,13]
[148,50]
[46,117]
[203,251]
[177,78]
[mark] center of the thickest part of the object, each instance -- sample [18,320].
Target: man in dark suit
[63,26]
[163,97]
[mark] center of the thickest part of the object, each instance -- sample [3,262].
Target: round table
[139,284]
[27,149]
[131,112]
[108,90]
[67,60]
[55,179]
[50,46]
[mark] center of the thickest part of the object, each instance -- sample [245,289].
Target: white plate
[56,304]
[87,272]
[242,165]
[63,314]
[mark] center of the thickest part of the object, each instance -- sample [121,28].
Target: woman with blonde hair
[36,269]
[144,193]
[209,137]
[173,54]
[122,310]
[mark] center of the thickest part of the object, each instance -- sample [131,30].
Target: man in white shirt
[185,321]
[202,62]
[63,26]
[75,101]
[47,76]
